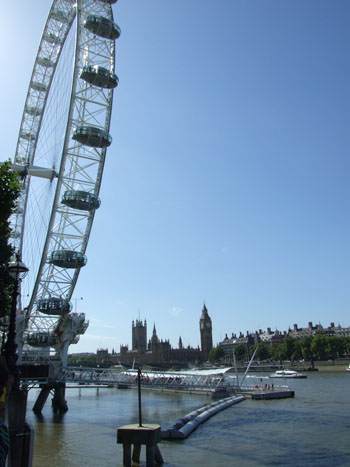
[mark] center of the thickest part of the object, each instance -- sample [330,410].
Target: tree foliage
[216,354]
[83,360]
[309,348]
[263,351]
[9,190]
[241,352]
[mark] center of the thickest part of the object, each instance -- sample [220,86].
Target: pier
[217,383]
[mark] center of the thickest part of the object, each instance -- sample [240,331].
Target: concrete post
[148,435]
[59,404]
[42,398]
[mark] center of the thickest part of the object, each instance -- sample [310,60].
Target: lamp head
[17,268]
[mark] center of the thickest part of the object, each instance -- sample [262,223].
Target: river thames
[311,429]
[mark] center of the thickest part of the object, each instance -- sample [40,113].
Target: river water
[313,429]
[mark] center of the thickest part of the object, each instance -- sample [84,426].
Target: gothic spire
[204,311]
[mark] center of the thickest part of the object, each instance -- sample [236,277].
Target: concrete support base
[148,435]
[59,403]
[42,398]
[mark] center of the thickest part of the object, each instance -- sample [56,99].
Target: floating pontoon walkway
[183,427]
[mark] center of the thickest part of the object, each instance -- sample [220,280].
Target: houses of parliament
[159,352]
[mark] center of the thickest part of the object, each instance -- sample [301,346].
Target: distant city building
[250,338]
[340,331]
[158,352]
[139,336]
[311,330]
[161,350]
[102,357]
[206,332]
[154,341]
[230,343]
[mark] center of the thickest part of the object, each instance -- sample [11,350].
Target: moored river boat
[287,374]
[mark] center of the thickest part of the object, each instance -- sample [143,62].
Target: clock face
[208,325]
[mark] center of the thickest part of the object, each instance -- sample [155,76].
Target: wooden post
[139,395]
[158,455]
[127,455]
[150,455]
[136,453]
[137,435]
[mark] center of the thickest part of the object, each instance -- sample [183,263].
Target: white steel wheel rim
[81,165]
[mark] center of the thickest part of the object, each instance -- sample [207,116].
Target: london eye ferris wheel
[60,155]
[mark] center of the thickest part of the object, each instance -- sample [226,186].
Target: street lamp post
[17,270]
[19,431]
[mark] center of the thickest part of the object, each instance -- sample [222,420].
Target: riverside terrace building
[311,330]
[250,338]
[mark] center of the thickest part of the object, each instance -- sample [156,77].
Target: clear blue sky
[228,177]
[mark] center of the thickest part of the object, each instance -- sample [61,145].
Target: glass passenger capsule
[99,76]
[52,38]
[41,339]
[102,27]
[92,136]
[68,259]
[41,87]
[111,2]
[46,62]
[54,306]
[82,200]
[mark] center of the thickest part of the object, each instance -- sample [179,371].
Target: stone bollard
[148,435]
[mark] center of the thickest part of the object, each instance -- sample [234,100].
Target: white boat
[287,374]
[348,369]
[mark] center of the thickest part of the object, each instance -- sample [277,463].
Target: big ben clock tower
[206,332]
